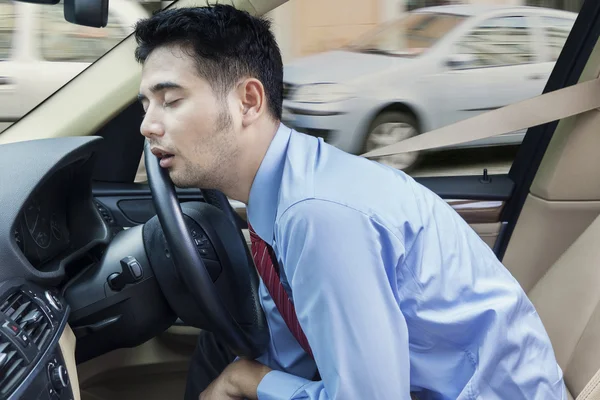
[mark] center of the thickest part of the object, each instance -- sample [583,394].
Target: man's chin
[183,181]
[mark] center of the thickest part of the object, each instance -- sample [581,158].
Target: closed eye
[170,103]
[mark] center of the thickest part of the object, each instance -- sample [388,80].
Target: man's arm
[341,266]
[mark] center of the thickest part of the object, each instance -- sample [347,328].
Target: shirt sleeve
[341,266]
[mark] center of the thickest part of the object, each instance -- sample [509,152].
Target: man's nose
[151,127]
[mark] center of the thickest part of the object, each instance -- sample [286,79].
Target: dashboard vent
[12,367]
[26,313]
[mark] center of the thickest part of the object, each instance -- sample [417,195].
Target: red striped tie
[268,269]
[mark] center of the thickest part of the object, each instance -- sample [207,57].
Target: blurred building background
[305,27]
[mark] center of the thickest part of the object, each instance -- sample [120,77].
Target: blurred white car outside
[432,67]
[40,51]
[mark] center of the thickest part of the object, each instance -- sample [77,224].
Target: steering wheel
[244,339]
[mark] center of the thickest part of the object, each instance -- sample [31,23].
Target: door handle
[5,80]
[536,77]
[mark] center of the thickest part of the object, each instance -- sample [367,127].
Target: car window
[63,41]
[408,36]
[556,30]
[372,100]
[44,35]
[7,24]
[498,42]
[397,99]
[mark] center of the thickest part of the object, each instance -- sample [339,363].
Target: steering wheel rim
[188,262]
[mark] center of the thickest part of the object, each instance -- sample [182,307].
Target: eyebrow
[160,87]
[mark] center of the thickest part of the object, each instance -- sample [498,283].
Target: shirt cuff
[277,385]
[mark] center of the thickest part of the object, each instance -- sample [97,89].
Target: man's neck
[251,156]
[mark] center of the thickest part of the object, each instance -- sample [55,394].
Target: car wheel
[388,128]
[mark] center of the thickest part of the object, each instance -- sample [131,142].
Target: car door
[494,64]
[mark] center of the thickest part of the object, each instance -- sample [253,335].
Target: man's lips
[160,153]
[166,158]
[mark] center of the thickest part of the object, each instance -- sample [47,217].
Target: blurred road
[497,160]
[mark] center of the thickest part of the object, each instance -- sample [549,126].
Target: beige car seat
[567,299]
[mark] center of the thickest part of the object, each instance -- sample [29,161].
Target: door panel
[544,231]
[478,201]
[478,211]
[563,199]
[488,232]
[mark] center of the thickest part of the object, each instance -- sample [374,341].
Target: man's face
[189,128]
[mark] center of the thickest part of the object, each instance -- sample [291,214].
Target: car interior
[94,306]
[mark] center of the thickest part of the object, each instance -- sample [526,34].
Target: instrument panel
[42,231]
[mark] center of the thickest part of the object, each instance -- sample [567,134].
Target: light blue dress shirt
[394,291]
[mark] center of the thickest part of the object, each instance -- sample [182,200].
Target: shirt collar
[264,193]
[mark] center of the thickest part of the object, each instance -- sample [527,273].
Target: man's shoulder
[317,170]
[346,191]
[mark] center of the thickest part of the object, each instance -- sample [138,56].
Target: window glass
[498,42]
[370,55]
[408,36]
[63,41]
[70,48]
[408,74]
[556,31]
[7,26]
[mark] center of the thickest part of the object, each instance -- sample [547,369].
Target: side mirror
[461,61]
[92,13]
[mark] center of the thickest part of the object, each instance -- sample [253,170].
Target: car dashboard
[50,229]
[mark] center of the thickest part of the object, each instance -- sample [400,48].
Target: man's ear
[253,100]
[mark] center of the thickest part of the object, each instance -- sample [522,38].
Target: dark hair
[227,45]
